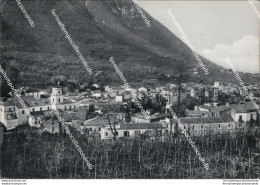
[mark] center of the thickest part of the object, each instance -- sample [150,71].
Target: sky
[216,29]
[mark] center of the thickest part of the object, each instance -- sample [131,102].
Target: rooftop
[133,126]
[247,106]
[200,120]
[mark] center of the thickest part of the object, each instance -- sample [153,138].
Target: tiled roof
[247,106]
[31,102]
[98,121]
[133,126]
[220,108]
[196,112]
[160,116]
[206,120]
[81,114]
[206,107]
[67,117]
[9,103]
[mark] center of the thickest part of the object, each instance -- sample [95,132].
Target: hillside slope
[101,29]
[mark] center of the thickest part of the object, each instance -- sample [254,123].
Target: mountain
[101,29]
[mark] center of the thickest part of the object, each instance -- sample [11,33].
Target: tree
[13,74]
[112,115]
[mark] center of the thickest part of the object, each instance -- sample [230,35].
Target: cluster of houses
[209,118]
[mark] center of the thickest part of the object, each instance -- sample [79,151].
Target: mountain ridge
[101,29]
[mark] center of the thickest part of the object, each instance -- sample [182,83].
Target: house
[139,118]
[207,126]
[131,130]
[38,118]
[142,89]
[107,88]
[8,115]
[52,126]
[205,108]
[12,113]
[191,113]
[96,86]
[243,112]
[218,111]
[96,94]
[159,117]
[94,126]
[119,98]
[216,84]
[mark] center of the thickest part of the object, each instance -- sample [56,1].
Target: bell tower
[56,95]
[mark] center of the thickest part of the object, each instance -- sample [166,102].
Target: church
[13,114]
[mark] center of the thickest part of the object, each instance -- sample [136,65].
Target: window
[35,122]
[23,112]
[41,109]
[52,123]
[218,125]
[10,109]
[240,118]
[65,108]
[53,100]
[126,133]
[201,126]
[48,108]
[106,134]
[59,100]
[90,129]
[52,129]
[192,126]
[33,109]
[70,107]
[59,92]
[99,129]
[116,133]
[74,106]
[228,125]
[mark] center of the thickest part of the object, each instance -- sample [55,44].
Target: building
[13,114]
[207,126]
[131,130]
[139,118]
[243,112]
[218,111]
[191,113]
[8,114]
[119,98]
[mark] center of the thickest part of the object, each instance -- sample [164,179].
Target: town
[109,113]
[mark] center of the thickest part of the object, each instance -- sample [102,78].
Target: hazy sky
[217,29]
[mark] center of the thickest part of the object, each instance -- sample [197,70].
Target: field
[30,155]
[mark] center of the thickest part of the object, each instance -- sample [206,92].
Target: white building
[131,130]
[243,112]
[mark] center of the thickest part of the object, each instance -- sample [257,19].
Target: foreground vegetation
[28,154]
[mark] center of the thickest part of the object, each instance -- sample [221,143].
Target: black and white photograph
[129,91]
